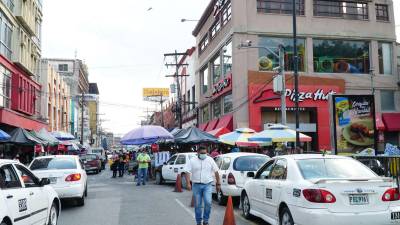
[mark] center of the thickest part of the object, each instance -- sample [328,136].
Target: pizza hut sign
[221,86]
[317,95]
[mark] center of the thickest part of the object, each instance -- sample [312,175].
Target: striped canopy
[240,137]
[279,133]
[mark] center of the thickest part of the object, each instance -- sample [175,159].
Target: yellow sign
[155,92]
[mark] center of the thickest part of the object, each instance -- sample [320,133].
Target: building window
[215,28]
[216,108]
[267,61]
[385,58]
[387,100]
[63,67]
[216,69]
[228,105]
[342,9]
[382,12]
[206,114]
[193,97]
[227,58]
[340,56]
[280,6]
[9,4]
[5,36]
[5,87]
[226,13]
[203,43]
[204,80]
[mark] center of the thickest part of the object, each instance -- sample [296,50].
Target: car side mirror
[165,163]
[44,182]
[251,174]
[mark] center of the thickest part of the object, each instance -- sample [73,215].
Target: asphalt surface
[119,202]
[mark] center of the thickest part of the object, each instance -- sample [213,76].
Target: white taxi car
[174,166]
[233,168]
[317,189]
[24,199]
[66,173]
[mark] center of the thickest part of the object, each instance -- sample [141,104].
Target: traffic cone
[192,202]
[178,184]
[229,218]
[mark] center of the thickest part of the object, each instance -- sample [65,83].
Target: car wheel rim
[246,206]
[286,219]
[53,216]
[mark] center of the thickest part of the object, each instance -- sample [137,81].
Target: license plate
[53,180]
[359,199]
[395,216]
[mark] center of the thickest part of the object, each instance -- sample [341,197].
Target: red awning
[219,131]
[212,124]
[379,123]
[226,121]
[203,126]
[392,121]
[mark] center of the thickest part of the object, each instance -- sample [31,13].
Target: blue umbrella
[146,135]
[4,136]
[63,136]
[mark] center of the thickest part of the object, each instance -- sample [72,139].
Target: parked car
[91,162]
[24,198]
[233,168]
[102,154]
[174,166]
[66,174]
[320,189]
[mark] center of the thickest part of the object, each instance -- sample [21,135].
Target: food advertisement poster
[354,128]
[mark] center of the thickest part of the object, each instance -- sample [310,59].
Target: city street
[119,202]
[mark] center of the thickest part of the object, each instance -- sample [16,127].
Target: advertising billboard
[154,93]
[354,128]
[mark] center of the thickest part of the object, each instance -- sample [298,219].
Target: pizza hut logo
[218,88]
[317,95]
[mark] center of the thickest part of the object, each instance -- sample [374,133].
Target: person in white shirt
[201,171]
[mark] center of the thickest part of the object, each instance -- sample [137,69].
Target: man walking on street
[201,170]
[143,160]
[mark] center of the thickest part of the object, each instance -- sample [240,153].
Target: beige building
[56,100]
[341,45]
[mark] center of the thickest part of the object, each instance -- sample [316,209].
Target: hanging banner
[353,123]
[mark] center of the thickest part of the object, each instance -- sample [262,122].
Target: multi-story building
[75,74]
[20,27]
[93,104]
[55,107]
[341,45]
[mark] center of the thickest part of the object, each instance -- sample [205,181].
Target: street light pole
[296,72]
[82,102]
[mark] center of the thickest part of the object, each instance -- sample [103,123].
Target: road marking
[185,208]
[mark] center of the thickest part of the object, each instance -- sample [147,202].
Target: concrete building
[55,107]
[93,104]
[341,45]
[75,73]
[20,28]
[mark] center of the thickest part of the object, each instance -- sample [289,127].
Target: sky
[123,42]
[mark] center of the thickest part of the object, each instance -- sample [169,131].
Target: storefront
[264,105]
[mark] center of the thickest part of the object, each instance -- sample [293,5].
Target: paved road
[119,202]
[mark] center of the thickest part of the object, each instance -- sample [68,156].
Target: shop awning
[379,123]
[392,121]
[212,124]
[203,126]
[226,121]
[219,131]
[23,137]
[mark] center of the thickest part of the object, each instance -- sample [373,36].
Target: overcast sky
[123,42]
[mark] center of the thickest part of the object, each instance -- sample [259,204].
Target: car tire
[85,193]
[221,198]
[97,171]
[81,201]
[285,217]
[3,223]
[53,215]
[159,179]
[246,206]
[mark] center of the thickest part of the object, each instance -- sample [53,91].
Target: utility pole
[177,77]
[296,72]
[83,107]
[282,74]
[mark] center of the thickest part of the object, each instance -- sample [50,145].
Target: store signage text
[317,95]
[221,86]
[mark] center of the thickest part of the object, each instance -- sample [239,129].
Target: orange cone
[192,202]
[229,218]
[178,184]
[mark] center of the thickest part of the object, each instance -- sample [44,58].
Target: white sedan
[317,189]
[24,199]
[66,173]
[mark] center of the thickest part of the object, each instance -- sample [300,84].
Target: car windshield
[333,168]
[88,157]
[249,163]
[53,164]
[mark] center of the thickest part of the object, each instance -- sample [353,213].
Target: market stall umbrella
[240,137]
[145,135]
[44,135]
[63,136]
[279,133]
[23,137]
[194,135]
[4,136]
